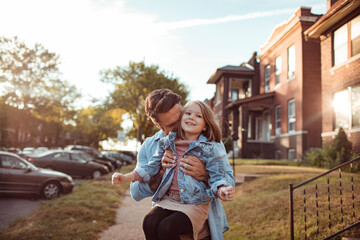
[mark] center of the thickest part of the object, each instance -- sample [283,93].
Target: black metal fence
[326,205]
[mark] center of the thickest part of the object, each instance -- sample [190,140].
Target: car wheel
[50,190]
[96,174]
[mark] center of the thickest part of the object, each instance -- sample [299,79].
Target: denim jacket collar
[201,139]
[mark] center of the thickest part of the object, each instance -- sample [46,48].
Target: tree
[24,72]
[95,124]
[31,80]
[132,85]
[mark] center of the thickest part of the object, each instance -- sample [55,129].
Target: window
[342,43]
[278,120]
[291,115]
[291,154]
[347,108]
[277,70]
[218,95]
[61,156]
[267,78]
[258,128]
[355,35]
[291,62]
[249,130]
[234,94]
[278,154]
[11,163]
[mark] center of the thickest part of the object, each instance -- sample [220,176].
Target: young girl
[182,202]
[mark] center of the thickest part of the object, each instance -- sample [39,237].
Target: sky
[188,39]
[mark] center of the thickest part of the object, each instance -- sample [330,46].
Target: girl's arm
[221,180]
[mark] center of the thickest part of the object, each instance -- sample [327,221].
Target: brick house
[272,104]
[339,34]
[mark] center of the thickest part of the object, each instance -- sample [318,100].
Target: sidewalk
[131,213]
[128,220]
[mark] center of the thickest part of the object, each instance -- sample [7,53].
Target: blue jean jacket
[217,218]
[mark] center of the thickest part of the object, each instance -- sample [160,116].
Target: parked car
[88,157]
[124,158]
[95,153]
[19,176]
[69,163]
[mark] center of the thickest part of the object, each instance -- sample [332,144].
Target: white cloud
[231,18]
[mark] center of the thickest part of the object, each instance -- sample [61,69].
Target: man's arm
[140,190]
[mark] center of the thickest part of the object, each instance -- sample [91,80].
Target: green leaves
[132,85]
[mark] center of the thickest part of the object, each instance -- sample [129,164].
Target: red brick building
[273,102]
[339,34]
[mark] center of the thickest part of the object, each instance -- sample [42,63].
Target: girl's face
[192,122]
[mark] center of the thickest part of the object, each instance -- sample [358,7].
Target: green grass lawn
[83,214]
[260,209]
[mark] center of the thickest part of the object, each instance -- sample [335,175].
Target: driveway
[12,208]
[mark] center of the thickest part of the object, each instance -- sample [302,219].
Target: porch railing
[316,224]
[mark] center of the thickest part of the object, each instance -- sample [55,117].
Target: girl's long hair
[212,132]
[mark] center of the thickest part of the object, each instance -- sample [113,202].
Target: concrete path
[128,220]
[131,213]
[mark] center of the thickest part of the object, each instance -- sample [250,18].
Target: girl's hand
[226,193]
[117,178]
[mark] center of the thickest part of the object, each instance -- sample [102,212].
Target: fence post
[291,211]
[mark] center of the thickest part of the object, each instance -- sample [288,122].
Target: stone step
[241,178]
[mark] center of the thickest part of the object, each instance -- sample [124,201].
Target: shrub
[332,155]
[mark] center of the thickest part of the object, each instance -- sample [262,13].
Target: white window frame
[291,62]
[343,46]
[278,120]
[291,116]
[267,78]
[346,104]
[277,70]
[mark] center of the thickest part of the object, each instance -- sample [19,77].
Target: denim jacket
[192,191]
[139,190]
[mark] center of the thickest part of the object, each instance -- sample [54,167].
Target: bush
[338,152]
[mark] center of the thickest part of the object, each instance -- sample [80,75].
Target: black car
[19,176]
[69,163]
[95,153]
[88,157]
[124,158]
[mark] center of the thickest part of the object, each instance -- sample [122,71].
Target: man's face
[168,121]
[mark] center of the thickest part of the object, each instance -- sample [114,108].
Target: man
[164,109]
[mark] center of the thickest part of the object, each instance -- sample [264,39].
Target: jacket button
[199,154]
[181,190]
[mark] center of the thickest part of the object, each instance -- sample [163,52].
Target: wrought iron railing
[329,217]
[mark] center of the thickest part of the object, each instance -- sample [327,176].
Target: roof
[231,69]
[265,99]
[338,10]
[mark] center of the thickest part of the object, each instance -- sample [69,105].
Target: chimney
[329,4]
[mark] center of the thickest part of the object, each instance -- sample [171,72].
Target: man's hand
[193,167]
[168,159]
[226,193]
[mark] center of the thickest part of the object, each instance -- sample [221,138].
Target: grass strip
[87,211]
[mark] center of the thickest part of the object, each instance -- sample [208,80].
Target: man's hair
[212,132]
[160,101]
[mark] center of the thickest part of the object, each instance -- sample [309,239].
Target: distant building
[339,34]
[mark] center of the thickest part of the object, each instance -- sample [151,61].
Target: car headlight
[68,179]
